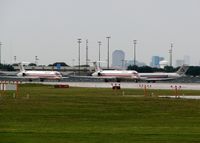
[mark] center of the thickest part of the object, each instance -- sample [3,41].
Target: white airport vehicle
[42,75]
[161,76]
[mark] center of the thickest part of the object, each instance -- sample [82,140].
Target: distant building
[186,60]
[179,63]
[163,64]
[155,62]
[162,58]
[118,59]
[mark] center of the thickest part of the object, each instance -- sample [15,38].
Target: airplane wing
[156,79]
[104,78]
[93,77]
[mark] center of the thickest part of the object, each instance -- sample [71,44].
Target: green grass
[94,115]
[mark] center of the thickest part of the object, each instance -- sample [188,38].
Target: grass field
[83,115]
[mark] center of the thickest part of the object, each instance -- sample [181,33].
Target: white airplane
[153,77]
[42,75]
[115,74]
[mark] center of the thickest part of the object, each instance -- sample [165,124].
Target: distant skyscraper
[187,60]
[162,58]
[179,63]
[118,57]
[156,61]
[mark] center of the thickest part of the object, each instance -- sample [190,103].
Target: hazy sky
[49,29]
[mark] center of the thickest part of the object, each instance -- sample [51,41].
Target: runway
[129,85]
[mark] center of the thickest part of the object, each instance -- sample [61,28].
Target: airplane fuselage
[158,76]
[53,75]
[116,74]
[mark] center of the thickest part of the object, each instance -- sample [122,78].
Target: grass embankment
[97,115]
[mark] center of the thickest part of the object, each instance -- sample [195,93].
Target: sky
[49,29]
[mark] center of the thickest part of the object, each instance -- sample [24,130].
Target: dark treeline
[6,67]
[148,69]
[192,71]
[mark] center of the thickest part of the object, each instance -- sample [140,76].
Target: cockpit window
[57,73]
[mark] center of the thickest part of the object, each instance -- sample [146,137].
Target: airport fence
[9,86]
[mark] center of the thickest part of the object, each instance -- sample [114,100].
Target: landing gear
[118,80]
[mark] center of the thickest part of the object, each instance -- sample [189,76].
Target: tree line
[192,71]
[6,67]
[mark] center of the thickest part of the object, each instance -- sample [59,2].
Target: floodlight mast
[15,59]
[0,52]
[108,51]
[134,61]
[170,54]
[87,53]
[99,52]
[36,60]
[79,59]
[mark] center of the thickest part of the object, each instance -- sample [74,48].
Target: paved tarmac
[181,86]
[183,97]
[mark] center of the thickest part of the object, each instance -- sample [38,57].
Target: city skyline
[49,29]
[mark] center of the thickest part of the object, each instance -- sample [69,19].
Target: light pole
[36,60]
[79,60]
[0,52]
[108,51]
[15,59]
[135,42]
[73,60]
[123,63]
[86,52]
[99,52]
[170,55]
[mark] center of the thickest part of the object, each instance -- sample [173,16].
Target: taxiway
[181,86]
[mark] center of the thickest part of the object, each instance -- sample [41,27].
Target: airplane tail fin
[96,67]
[182,70]
[21,67]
